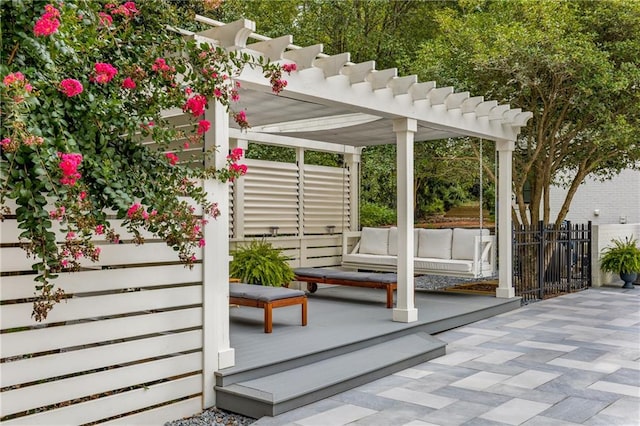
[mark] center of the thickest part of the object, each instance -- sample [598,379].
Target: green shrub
[372,215]
[262,264]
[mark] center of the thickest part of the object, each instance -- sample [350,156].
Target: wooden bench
[315,276]
[267,298]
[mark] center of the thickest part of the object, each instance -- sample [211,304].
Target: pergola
[330,100]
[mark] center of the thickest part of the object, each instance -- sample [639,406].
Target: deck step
[280,392]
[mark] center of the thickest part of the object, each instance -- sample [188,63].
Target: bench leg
[304,312]
[389,296]
[268,318]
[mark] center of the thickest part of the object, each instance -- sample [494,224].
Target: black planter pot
[628,279]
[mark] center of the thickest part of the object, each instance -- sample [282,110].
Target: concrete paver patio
[569,360]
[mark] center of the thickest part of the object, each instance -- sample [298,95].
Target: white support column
[353,162]
[301,185]
[216,350]
[238,196]
[505,176]
[405,310]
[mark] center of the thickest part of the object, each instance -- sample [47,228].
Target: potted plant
[262,264]
[623,257]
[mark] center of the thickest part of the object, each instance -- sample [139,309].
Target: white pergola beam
[272,49]
[232,36]
[419,91]
[331,65]
[304,56]
[401,85]
[357,73]
[438,95]
[380,79]
[455,100]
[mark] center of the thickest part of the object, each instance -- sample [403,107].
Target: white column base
[226,358]
[405,315]
[505,292]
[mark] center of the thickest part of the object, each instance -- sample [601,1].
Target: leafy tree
[575,65]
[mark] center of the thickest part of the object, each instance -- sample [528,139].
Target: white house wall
[612,201]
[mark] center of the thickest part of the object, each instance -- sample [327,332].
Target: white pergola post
[353,162]
[238,195]
[405,129]
[216,350]
[505,175]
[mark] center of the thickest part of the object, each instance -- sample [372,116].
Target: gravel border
[213,417]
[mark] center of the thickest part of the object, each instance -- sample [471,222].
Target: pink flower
[5,142]
[104,73]
[172,157]
[83,195]
[195,105]
[201,243]
[289,68]
[133,209]
[217,92]
[71,87]
[203,126]
[69,166]
[128,83]
[105,19]
[131,7]
[241,119]
[97,251]
[64,263]
[9,79]
[186,145]
[48,23]
[236,154]
[70,235]
[99,229]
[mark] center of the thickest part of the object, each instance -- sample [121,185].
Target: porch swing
[457,252]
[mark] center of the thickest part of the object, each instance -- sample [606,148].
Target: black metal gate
[549,261]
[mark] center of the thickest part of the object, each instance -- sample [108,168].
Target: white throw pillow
[374,241]
[393,241]
[435,243]
[462,247]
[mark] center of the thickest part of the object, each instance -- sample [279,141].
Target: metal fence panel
[549,260]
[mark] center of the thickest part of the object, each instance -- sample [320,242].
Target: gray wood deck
[342,322]
[340,316]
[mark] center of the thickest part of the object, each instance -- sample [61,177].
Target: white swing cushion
[462,243]
[434,243]
[393,241]
[374,241]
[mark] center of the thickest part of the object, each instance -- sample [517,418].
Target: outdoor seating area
[456,252]
[267,298]
[315,276]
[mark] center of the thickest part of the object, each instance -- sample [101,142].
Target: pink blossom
[70,235]
[172,157]
[64,263]
[69,166]
[131,7]
[133,209]
[128,83]
[241,119]
[145,215]
[186,145]
[99,229]
[48,22]
[201,243]
[236,154]
[235,97]
[97,251]
[28,87]
[9,79]
[289,68]
[195,105]
[104,72]
[5,142]
[217,92]
[105,19]
[203,126]
[83,195]
[71,87]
